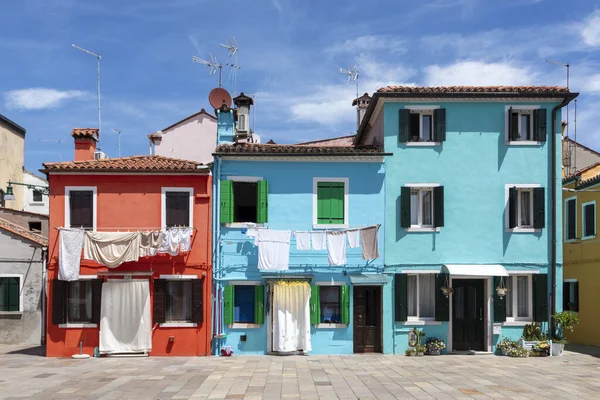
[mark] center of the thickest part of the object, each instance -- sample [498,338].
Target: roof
[476,89]
[12,124]
[253,149]
[12,210]
[202,111]
[578,173]
[22,232]
[336,141]
[568,139]
[35,175]
[85,133]
[128,164]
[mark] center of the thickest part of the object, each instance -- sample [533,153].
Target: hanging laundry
[273,250]
[336,247]
[69,254]
[368,237]
[173,242]
[302,240]
[111,249]
[185,239]
[319,242]
[353,241]
[163,248]
[149,243]
[251,233]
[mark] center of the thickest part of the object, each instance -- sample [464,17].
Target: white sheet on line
[125,320]
[319,241]
[69,254]
[336,247]
[302,240]
[273,250]
[353,241]
[291,314]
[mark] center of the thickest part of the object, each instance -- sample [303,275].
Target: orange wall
[129,202]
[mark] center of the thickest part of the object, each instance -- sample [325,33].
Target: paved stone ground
[26,375]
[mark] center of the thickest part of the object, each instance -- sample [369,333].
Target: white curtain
[125,323]
[291,316]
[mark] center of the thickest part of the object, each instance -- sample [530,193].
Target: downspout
[44,292]
[216,256]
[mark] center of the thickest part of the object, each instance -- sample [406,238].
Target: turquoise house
[264,189]
[471,217]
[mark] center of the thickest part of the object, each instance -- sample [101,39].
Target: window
[571,295]
[178,301]
[2,201]
[425,124]
[526,207]
[571,218]
[244,201]
[519,297]
[177,208]
[35,226]
[526,124]
[421,296]
[589,220]
[243,304]
[421,126]
[422,207]
[330,202]
[37,196]
[79,302]
[81,209]
[330,304]
[10,296]
[242,123]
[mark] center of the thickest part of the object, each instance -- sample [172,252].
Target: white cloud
[593,83]
[478,73]
[370,43]
[590,30]
[39,98]
[277,5]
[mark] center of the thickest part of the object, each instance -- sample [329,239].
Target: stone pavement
[299,377]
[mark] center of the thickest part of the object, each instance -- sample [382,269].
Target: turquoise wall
[291,208]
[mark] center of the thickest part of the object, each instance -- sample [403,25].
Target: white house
[33,200]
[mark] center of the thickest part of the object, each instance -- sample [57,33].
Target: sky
[290,52]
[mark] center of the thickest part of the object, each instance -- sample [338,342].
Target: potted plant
[435,346]
[542,349]
[518,352]
[532,335]
[411,351]
[565,320]
[505,345]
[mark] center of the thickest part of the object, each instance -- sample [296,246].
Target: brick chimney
[85,143]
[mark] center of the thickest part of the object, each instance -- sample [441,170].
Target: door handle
[481,314]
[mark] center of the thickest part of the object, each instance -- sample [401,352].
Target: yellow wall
[12,154]
[582,262]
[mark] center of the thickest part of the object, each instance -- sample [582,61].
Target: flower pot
[558,349]
[505,352]
[433,352]
[419,354]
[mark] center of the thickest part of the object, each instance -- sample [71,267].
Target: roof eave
[301,155]
[13,124]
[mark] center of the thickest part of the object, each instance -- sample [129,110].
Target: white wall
[28,203]
[194,139]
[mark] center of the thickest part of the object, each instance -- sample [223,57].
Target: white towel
[353,236]
[273,250]
[302,240]
[111,248]
[336,247]
[185,239]
[69,254]
[319,242]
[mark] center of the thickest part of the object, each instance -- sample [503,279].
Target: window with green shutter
[244,202]
[9,293]
[244,304]
[330,203]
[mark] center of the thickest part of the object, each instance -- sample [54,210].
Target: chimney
[85,143]
[362,104]
[225,124]
[243,103]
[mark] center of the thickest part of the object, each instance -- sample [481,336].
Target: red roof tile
[475,89]
[22,232]
[83,133]
[252,149]
[336,141]
[128,164]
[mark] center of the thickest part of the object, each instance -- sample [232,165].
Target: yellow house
[12,155]
[581,253]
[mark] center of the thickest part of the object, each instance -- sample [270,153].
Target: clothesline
[335,230]
[132,229]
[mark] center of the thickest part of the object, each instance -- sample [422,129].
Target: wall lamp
[45,190]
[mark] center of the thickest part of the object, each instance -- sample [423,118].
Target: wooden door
[468,314]
[367,319]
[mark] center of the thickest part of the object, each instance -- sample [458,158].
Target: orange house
[160,304]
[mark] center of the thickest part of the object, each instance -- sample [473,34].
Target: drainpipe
[44,292]
[565,101]
[216,255]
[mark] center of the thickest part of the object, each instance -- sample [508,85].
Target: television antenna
[231,46]
[98,57]
[352,73]
[213,65]
[54,141]
[118,133]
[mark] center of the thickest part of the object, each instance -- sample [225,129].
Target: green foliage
[419,334]
[518,352]
[565,320]
[532,332]
[506,344]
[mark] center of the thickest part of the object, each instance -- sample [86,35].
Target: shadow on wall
[502,149]
[401,232]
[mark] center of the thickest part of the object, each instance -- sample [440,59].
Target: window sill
[516,323]
[420,229]
[326,326]
[74,325]
[523,143]
[332,226]
[523,230]
[239,325]
[422,144]
[588,237]
[178,325]
[422,322]
[243,225]
[11,313]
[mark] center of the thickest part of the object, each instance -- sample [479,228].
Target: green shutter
[539,208]
[259,304]
[401,297]
[226,199]
[262,212]
[315,305]
[404,128]
[442,303]
[10,294]
[499,303]
[228,294]
[405,207]
[539,125]
[439,125]
[512,207]
[345,303]
[438,204]
[330,202]
[540,297]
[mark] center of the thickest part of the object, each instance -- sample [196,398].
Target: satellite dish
[255,138]
[219,96]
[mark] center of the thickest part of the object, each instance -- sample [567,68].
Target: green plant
[532,332]
[420,349]
[506,344]
[419,334]
[560,341]
[411,351]
[565,320]
[518,352]
[434,343]
[542,346]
